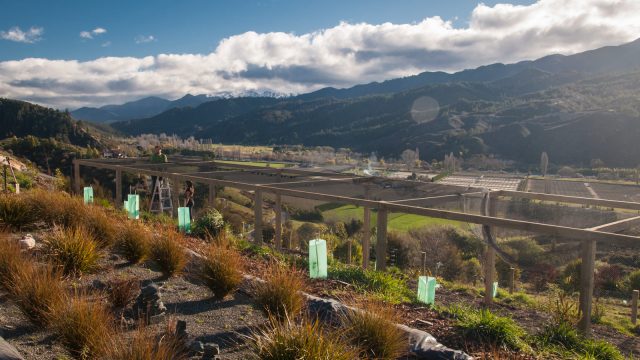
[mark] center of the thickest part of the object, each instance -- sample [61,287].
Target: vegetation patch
[386,286]
[484,327]
[169,254]
[221,270]
[134,242]
[280,295]
[73,249]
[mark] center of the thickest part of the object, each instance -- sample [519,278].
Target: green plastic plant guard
[427,289]
[133,206]
[126,205]
[184,220]
[494,289]
[318,259]
[88,195]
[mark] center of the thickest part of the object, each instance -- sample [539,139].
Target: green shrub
[15,211]
[134,241]
[404,247]
[74,250]
[374,332]
[287,340]
[570,281]
[280,295]
[633,280]
[221,270]
[210,223]
[168,253]
[385,286]
[484,327]
[341,251]
[563,337]
[471,270]
[525,249]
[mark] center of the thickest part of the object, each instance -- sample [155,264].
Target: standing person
[189,194]
[157,158]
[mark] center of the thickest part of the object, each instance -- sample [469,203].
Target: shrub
[525,249]
[608,278]
[210,223]
[134,242]
[73,249]
[385,286]
[374,332]
[503,269]
[143,345]
[436,242]
[571,276]
[15,211]
[309,231]
[471,270]
[57,208]
[221,270]
[100,225]
[564,336]
[404,246]
[286,340]
[11,259]
[280,293]
[38,291]
[484,327]
[169,254]
[633,280]
[121,292]
[84,326]
[341,251]
[542,275]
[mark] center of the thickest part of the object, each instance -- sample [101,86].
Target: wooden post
[119,202]
[278,234]
[424,263]
[257,213]
[512,280]
[366,234]
[76,177]
[490,254]
[349,252]
[634,307]
[212,195]
[381,240]
[175,196]
[586,285]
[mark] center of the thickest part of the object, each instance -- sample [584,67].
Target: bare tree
[544,163]
[409,157]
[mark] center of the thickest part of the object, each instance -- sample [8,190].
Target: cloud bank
[340,56]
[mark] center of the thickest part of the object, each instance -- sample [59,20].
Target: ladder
[161,198]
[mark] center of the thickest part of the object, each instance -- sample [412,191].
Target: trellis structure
[385,196]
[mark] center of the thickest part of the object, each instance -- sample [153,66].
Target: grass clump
[38,291]
[100,225]
[563,339]
[280,295]
[386,286]
[57,208]
[286,340]
[11,259]
[73,249]
[221,270]
[143,345]
[84,326]
[374,332]
[134,242]
[484,327]
[168,253]
[15,211]
[121,292]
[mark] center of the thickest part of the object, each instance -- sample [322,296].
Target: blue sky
[194,26]
[68,54]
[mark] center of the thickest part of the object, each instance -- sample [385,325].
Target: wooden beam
[587,270]
[175,195]
[312,182]
[257,212]
[278,222]
[571,199]
[488,208]
[118,197]
[435,200]
[381,240]
[617,226]
[76,177]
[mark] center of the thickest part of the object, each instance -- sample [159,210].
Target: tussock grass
[101,225]
[168,253]
[15,211]
[121,292]
[484,327]
[386,286]
[563,339]
[144,345]
[38,291]
[373,330]
[221,270]
[134,242]
[11,259]
[280,293]
[84,326]
[286,340]
[73,249]
[57,208]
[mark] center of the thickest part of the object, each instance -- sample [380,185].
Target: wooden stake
[586,285]
[257,213]
[366,234]
[512,280]
[424,263]
[278,209]
[118,188]
[349,252]
[634,307]
[381,240]
[490,254]
[76,177]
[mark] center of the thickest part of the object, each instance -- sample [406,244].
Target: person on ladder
[157,158]
[189,194]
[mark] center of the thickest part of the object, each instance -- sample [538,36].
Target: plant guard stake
[184,220]
[318,259]
[133,206]
[88,195]
[427,289]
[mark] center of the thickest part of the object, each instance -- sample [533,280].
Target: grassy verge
[386,286]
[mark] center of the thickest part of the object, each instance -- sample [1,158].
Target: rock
[8,352]
[211,350]
[27,242]
[181,328]
[196,347]
[98,285]
[149,302]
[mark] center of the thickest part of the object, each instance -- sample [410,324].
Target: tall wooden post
[257,213]
[512,280]
[381,240]
[634,307]
[586,285]
[175,196]
[366,234]
[278,234]
[119,202]
[488,207]
[76,177]
[212,195]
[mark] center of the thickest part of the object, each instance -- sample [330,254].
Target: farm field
[621,192]
[275,165]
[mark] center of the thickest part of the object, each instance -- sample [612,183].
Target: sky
[68,54]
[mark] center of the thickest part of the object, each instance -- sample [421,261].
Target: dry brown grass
[373,330]
[56,208]
[85,326]
[11,259]
[143,345]
[168,252]
[221,270]
[38,291]
[15,211]
[73,249]
[134,241]
[101,225]
[280,293]
[121,292]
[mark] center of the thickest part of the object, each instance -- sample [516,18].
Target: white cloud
[141,39]
[92,33]
[106,44]
[34,34]
[343,55]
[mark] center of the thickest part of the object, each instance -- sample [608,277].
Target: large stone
[149,303]
[27,242]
